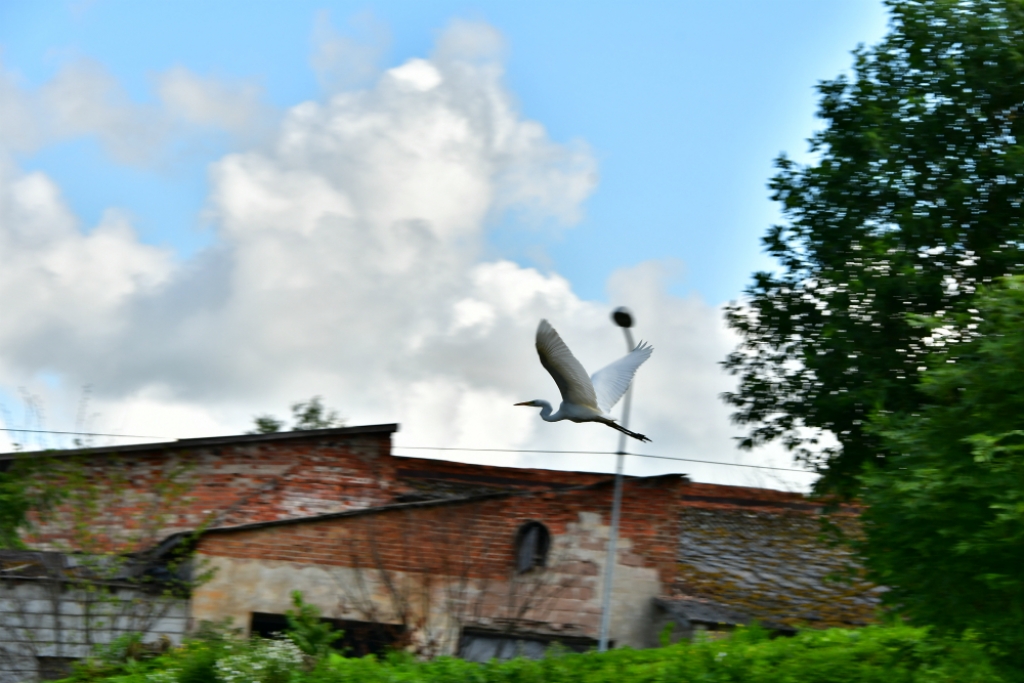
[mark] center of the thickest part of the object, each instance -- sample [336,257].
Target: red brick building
[224,481]
[449,557]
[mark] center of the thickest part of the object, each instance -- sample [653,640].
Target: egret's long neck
[545,411]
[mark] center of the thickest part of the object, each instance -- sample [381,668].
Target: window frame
[539,537]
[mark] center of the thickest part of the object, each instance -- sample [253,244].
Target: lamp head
[622,317]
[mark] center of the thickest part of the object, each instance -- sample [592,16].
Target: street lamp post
[624,319]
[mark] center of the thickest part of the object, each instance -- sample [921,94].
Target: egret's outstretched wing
[567,372]
[611,382]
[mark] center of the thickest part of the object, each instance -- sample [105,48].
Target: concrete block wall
[44,619]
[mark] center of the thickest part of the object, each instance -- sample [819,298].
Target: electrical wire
[51,431]
[452,448]
[637,455]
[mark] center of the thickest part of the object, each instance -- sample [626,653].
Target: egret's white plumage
[585,399]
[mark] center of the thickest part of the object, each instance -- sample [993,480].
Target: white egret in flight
[585,399]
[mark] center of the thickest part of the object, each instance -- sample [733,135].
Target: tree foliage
[311,414]
[25,497]
[914,201]
[945,523]
[14,507]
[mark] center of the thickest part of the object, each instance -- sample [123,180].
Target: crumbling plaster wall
[331,561]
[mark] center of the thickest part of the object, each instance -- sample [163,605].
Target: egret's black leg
[635,435]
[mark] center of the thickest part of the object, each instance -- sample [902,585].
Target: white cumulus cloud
[84,99]
[234,106]
[342,60]
[62,287]
[349,263]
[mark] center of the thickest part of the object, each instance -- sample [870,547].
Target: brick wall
[326,482]
[429,547]
[756,551]
[420,536]
[121,494]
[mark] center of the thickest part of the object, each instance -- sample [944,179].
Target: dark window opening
[358,638]
[480,645]
[54,668]
[532,543]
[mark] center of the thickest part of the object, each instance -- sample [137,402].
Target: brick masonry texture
[431,537]
[337,499]
[754,551]
[260,479]
[223,484]
[468,546]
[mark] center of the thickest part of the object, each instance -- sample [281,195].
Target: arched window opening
[532,543]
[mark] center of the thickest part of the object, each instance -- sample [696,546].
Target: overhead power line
[638,455]
[727,464]
[452,448]
[51,431]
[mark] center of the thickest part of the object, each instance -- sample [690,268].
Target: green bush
[883,654]
[891,654]
[308,631]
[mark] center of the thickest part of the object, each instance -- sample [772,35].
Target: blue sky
[210,210]
[684,104]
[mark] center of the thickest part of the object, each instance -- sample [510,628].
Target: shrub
[879,654]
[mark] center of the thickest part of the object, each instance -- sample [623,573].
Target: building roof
[772,565]
[429,479]
[208,441]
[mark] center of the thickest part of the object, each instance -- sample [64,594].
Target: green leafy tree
[913,202]
[266,424]
[311,414]
[945,522]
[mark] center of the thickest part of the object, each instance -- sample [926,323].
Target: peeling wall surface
[450,565]
[722,555]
